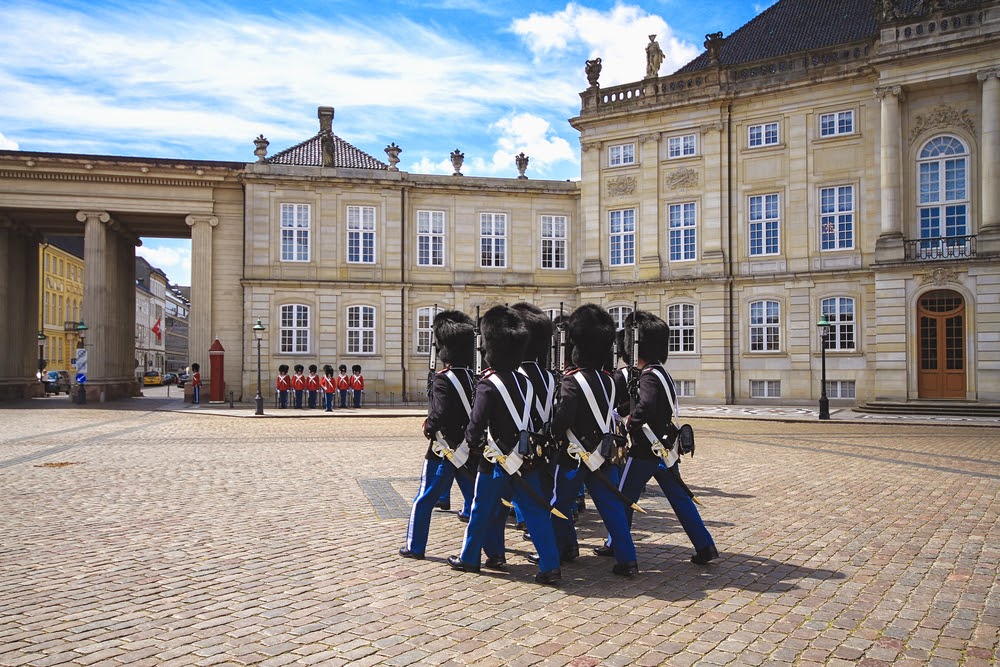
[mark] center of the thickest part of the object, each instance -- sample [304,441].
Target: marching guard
[447,418]
[282,385]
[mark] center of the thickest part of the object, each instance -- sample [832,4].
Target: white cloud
[7,144]
[535,137]
[170,256]
[618,36]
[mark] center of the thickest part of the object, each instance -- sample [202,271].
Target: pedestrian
[299,385]
[447,417]
[357,384]
[328,386]
[312,386]
[196,383]
[282,385]
[343,385]
[583,422]
[501,417]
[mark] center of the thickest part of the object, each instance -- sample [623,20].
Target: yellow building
[61,300]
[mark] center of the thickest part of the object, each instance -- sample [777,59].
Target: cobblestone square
[150,537]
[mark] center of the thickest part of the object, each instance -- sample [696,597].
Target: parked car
[56,381]
[152,378]
[182,379]
[169,378]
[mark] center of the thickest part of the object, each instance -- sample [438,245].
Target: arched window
[294,334]
[765,326]
[618,314]
[943,200]
[839,312]
[425,318]
[680,318]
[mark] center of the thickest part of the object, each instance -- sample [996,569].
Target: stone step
[924,407]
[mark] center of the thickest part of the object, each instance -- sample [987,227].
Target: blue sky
[201,80]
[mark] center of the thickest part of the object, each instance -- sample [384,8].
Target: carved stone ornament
[942,116]
[621,186]
[940,277]
[682,179]
[708,127]
[986,74]
[882,91]
[589,145]
[593,71]
[393,151]
[521,161]
[457,157]
[260,148]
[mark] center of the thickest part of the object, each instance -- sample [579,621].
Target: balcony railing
[941,247]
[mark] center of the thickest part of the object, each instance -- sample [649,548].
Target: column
[714,203]
[19,296]
[590,226]
[889,245]
[648,232]
[97,305]
[990,141]
[200,331]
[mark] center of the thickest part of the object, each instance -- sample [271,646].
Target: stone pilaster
[591,225]
[989,230]
[889,246]
[714,204]
[648,232]
[201,328]
[19,321]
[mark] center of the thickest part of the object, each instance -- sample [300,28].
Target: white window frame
[763,224]
[765,388]
[939,198]
[761,135]
[423,328]
[618,314]
[682,222]
[493,240]
[430,238]
[682,318]
[765,326]
[621,154]
[833,124]
[621,236]
[836,218]
[841,313]
[361,234]
[360,329]
[294,336]
[684,145]
[554,233]
[295,221]
[841,389]
[685,388]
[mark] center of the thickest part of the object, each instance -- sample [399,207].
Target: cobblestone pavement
[148,537]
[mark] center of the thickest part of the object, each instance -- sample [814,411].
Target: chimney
[325,119]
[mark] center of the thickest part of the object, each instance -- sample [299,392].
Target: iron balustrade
[941,247]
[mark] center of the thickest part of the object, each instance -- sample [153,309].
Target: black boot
[629,569]
[406,553]
[604,550]
[705,555]
[458,564]
[499,563]
[550,578]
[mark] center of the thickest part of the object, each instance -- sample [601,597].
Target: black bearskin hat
[539,332]
[328,369]
[343,368]
[654,335]
[195,367]
[455,338]
[283,368]
[504,338]
[592,331]
[356,368]
[299,368]
[313,368]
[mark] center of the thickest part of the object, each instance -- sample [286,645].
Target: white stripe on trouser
[621,481]
[413,507]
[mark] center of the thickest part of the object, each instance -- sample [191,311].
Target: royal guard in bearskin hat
[357,384]
[583,421]
[343,383]
[328,387]
[196,383]
[447,418]
[501,419]
[299,385]
[283,385]
[652,433]
[312,385]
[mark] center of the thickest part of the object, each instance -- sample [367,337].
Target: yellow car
[152,378]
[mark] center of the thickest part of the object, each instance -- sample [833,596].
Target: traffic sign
[81,360]
[80,378]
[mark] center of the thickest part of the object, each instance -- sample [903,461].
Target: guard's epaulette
[443,371]
[572,371]
[486,373]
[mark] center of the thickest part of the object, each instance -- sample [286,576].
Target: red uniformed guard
[196,383]
[343,384]
[283,384]
[357,384]
[327,384]
[299,384]
[312,385]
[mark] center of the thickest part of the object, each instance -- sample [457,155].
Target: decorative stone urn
[457,157]
[260,149]
[393,151]
[521,160]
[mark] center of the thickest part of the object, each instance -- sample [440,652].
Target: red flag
[156,329]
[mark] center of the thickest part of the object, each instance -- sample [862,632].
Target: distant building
[175,329]
[61,302]
[150,307]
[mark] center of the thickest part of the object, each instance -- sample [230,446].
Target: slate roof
[309,153]
[792,26]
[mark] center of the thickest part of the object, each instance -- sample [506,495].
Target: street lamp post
[824,402]
[258,330]
[81,330]
[41,357]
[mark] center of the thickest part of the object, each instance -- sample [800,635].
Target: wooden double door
[941,342]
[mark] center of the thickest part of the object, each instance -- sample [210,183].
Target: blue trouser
[328,399]
[283,398]
[357,398]
[567,486]
[436,475]
[298,397]
[196,398]
[312,398]
[343,398]
[467,485]
[639,471]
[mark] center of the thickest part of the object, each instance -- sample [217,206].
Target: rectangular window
[493,240]
[764,219]
[622,226]
[839,312]
[833,124]
[840,389]
[765,134]
[765,388]
[621,154]
[685,388]
[765,326]
[430,238]
[425,320]
[618,314]
[295,223]
[361,330]
[361,234]
[294,333]
[682,220]
[680,318]
[836,221]
[553,241]
[680,146]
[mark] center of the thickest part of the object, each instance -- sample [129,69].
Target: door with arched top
[941,341]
